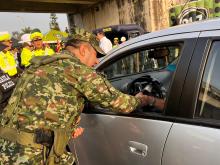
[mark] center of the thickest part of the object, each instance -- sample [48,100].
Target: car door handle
[138,148]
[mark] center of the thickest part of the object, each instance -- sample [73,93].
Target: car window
[150,59]
[208,105]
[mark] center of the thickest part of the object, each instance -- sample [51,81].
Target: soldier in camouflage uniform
[50,96]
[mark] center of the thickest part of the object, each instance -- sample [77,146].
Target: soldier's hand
[78,131]
[150,100]
[143,98]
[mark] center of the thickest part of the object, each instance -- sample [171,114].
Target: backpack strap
[43,60]
[61,139]
[11,109]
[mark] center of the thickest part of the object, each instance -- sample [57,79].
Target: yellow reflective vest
[43,52]
[26,56]
[8,63]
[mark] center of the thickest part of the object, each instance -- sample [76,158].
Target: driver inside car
[152,101]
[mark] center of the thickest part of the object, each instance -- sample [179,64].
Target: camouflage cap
[83,35]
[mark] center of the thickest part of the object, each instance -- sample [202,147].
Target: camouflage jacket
[58,90]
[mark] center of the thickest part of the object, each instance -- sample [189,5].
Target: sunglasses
[8,41]
[37,40]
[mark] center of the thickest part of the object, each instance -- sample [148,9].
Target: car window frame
[189,40]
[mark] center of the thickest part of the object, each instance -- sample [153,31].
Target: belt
[20,137]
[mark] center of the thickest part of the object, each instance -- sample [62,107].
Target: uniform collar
[69,53]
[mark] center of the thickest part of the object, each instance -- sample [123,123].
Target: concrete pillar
[149,14]
[132,12]
[158,17]
[106,13]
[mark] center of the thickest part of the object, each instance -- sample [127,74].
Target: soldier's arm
[98,90]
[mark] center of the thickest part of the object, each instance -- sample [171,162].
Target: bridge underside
[48,6]
[91,14]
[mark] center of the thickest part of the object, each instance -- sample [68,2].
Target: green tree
[26,30]
[53,22]
[16,35]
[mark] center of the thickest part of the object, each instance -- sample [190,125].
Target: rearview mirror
[158,53]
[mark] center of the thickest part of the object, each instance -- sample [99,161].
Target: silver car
[181,65]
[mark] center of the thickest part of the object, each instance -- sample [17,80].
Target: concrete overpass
[55,6]
[91,14]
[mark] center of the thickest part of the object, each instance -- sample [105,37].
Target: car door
[139,137]
[195,137]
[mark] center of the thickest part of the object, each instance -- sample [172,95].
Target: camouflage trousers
[16,154]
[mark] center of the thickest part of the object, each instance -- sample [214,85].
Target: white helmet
[123,39]
[25,38]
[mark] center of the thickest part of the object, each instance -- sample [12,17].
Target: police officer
[123,39]
[115,42]
[7,85]
[26,53]
[49,99]
[7,60]
[39,48]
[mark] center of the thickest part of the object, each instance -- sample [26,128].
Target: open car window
[150,59]
[150,69]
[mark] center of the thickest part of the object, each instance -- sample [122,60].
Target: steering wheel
[149,86]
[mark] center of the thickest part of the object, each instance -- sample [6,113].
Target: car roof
[122,28]
[205,25]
